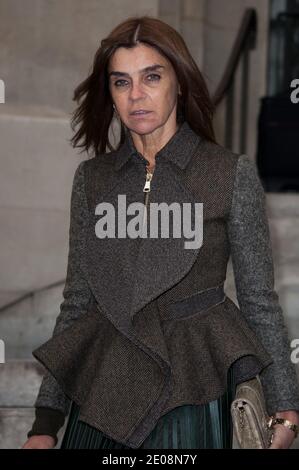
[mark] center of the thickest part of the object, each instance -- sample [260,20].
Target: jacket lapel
[110,262]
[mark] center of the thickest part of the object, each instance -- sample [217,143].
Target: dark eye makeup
[155,75]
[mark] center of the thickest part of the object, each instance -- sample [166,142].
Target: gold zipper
[146,190]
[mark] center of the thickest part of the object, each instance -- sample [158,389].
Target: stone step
[19,386]
[26,325]
[15,423]
[20,382]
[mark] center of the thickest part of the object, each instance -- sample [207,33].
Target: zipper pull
[146,190]
[147,186]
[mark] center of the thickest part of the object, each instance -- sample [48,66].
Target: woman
[147,349]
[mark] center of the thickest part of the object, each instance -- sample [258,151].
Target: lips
[140,112]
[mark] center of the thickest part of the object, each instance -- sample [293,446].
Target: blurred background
[248,52]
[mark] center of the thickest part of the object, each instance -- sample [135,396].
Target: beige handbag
[249,416]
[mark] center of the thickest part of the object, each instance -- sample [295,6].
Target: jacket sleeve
[252,262]
[52,405]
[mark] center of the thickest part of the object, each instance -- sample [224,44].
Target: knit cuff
[47,422]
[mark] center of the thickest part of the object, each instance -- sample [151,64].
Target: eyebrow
[150,68]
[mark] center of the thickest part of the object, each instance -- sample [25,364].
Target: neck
[150,144]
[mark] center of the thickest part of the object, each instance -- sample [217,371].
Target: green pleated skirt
[207,426]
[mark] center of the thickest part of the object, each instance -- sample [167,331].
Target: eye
[118,81]
[157,77]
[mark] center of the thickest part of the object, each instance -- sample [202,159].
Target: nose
[136,90]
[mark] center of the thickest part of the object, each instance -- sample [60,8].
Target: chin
[143,127]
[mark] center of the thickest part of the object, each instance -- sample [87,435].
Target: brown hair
[95,113]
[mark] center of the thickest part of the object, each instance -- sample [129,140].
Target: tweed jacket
[145,324]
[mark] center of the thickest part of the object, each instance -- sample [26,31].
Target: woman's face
[142,79]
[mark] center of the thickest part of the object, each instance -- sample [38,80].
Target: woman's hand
[39,442]
[283,436]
